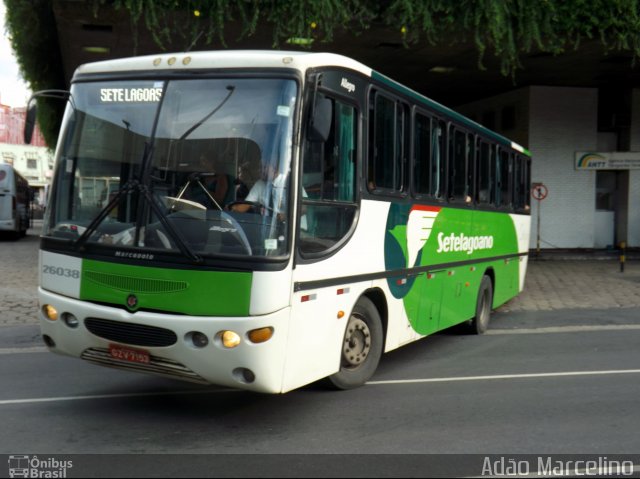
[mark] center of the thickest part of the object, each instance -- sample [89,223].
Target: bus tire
[480,323]
[361,347]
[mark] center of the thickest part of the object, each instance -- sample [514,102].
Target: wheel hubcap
[357,342]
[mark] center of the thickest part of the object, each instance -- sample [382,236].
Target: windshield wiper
[231,89]
[129,187]
[177,236]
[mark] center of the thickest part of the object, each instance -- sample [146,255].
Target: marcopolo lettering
[461,242]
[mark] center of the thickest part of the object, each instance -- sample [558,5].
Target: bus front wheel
[361,347]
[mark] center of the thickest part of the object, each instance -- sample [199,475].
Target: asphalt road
[541,382]
[556,385]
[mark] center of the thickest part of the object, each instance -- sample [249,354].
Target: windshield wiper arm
[231,89]
[184,247]
[130,186]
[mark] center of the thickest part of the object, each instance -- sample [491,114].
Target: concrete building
[34,161]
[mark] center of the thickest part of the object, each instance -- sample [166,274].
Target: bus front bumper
[121,339]
[8,225]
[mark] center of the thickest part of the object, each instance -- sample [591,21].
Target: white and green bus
[271,219]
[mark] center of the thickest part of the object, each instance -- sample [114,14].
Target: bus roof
[301,61]
[225,59]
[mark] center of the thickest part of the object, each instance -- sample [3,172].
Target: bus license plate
[127,354]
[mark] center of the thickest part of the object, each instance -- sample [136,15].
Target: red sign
[539,191]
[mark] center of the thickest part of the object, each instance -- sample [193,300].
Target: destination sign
[130,95]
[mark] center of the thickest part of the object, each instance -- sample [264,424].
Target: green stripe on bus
[192,292]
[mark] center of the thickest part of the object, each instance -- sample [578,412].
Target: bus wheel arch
[492,276]
[362,344]
[377,297]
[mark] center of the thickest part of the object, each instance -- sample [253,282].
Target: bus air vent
[135,285]
[131,333]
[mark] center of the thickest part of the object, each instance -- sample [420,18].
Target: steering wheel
[254,206]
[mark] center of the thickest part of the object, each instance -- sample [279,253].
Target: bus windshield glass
[193,166]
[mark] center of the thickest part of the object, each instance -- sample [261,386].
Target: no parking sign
[539,191]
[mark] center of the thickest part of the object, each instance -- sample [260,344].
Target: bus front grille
[158,366]
[131,333]
[135,285]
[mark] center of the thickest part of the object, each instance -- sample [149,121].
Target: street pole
[538,232]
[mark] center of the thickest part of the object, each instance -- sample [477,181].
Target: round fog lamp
[50,312]
[70,320]
[230,339]
[200,340]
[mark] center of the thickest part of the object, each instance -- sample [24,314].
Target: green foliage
[503,29]
[31,28]
[508,28]
[187,22]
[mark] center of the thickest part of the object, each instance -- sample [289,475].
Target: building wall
[633,230]
[562,121]
[12,127]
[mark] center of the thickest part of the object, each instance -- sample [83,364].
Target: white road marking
[8,402]
[565,329]
[505,376]
[34,349]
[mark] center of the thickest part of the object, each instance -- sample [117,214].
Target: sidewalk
[577,284]
[555,280]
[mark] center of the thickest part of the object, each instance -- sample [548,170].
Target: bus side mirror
[30,123]
[320,120]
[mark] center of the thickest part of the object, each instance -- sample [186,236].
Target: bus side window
[438,159]
[329,184]
[460,149]
[483,169]
[527,184]
[494,193]
[388,136]
[517,183]
[521,183]
[422,151]
[504,169]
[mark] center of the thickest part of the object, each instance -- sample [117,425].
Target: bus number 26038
[59,271]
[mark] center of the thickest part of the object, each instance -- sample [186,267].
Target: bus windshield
[193,166]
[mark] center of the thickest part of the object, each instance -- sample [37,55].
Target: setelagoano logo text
[461,242]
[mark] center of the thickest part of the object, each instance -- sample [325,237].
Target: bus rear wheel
[361,347]
[480,323]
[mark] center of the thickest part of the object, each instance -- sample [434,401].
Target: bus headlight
[50,312]
[230,339]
